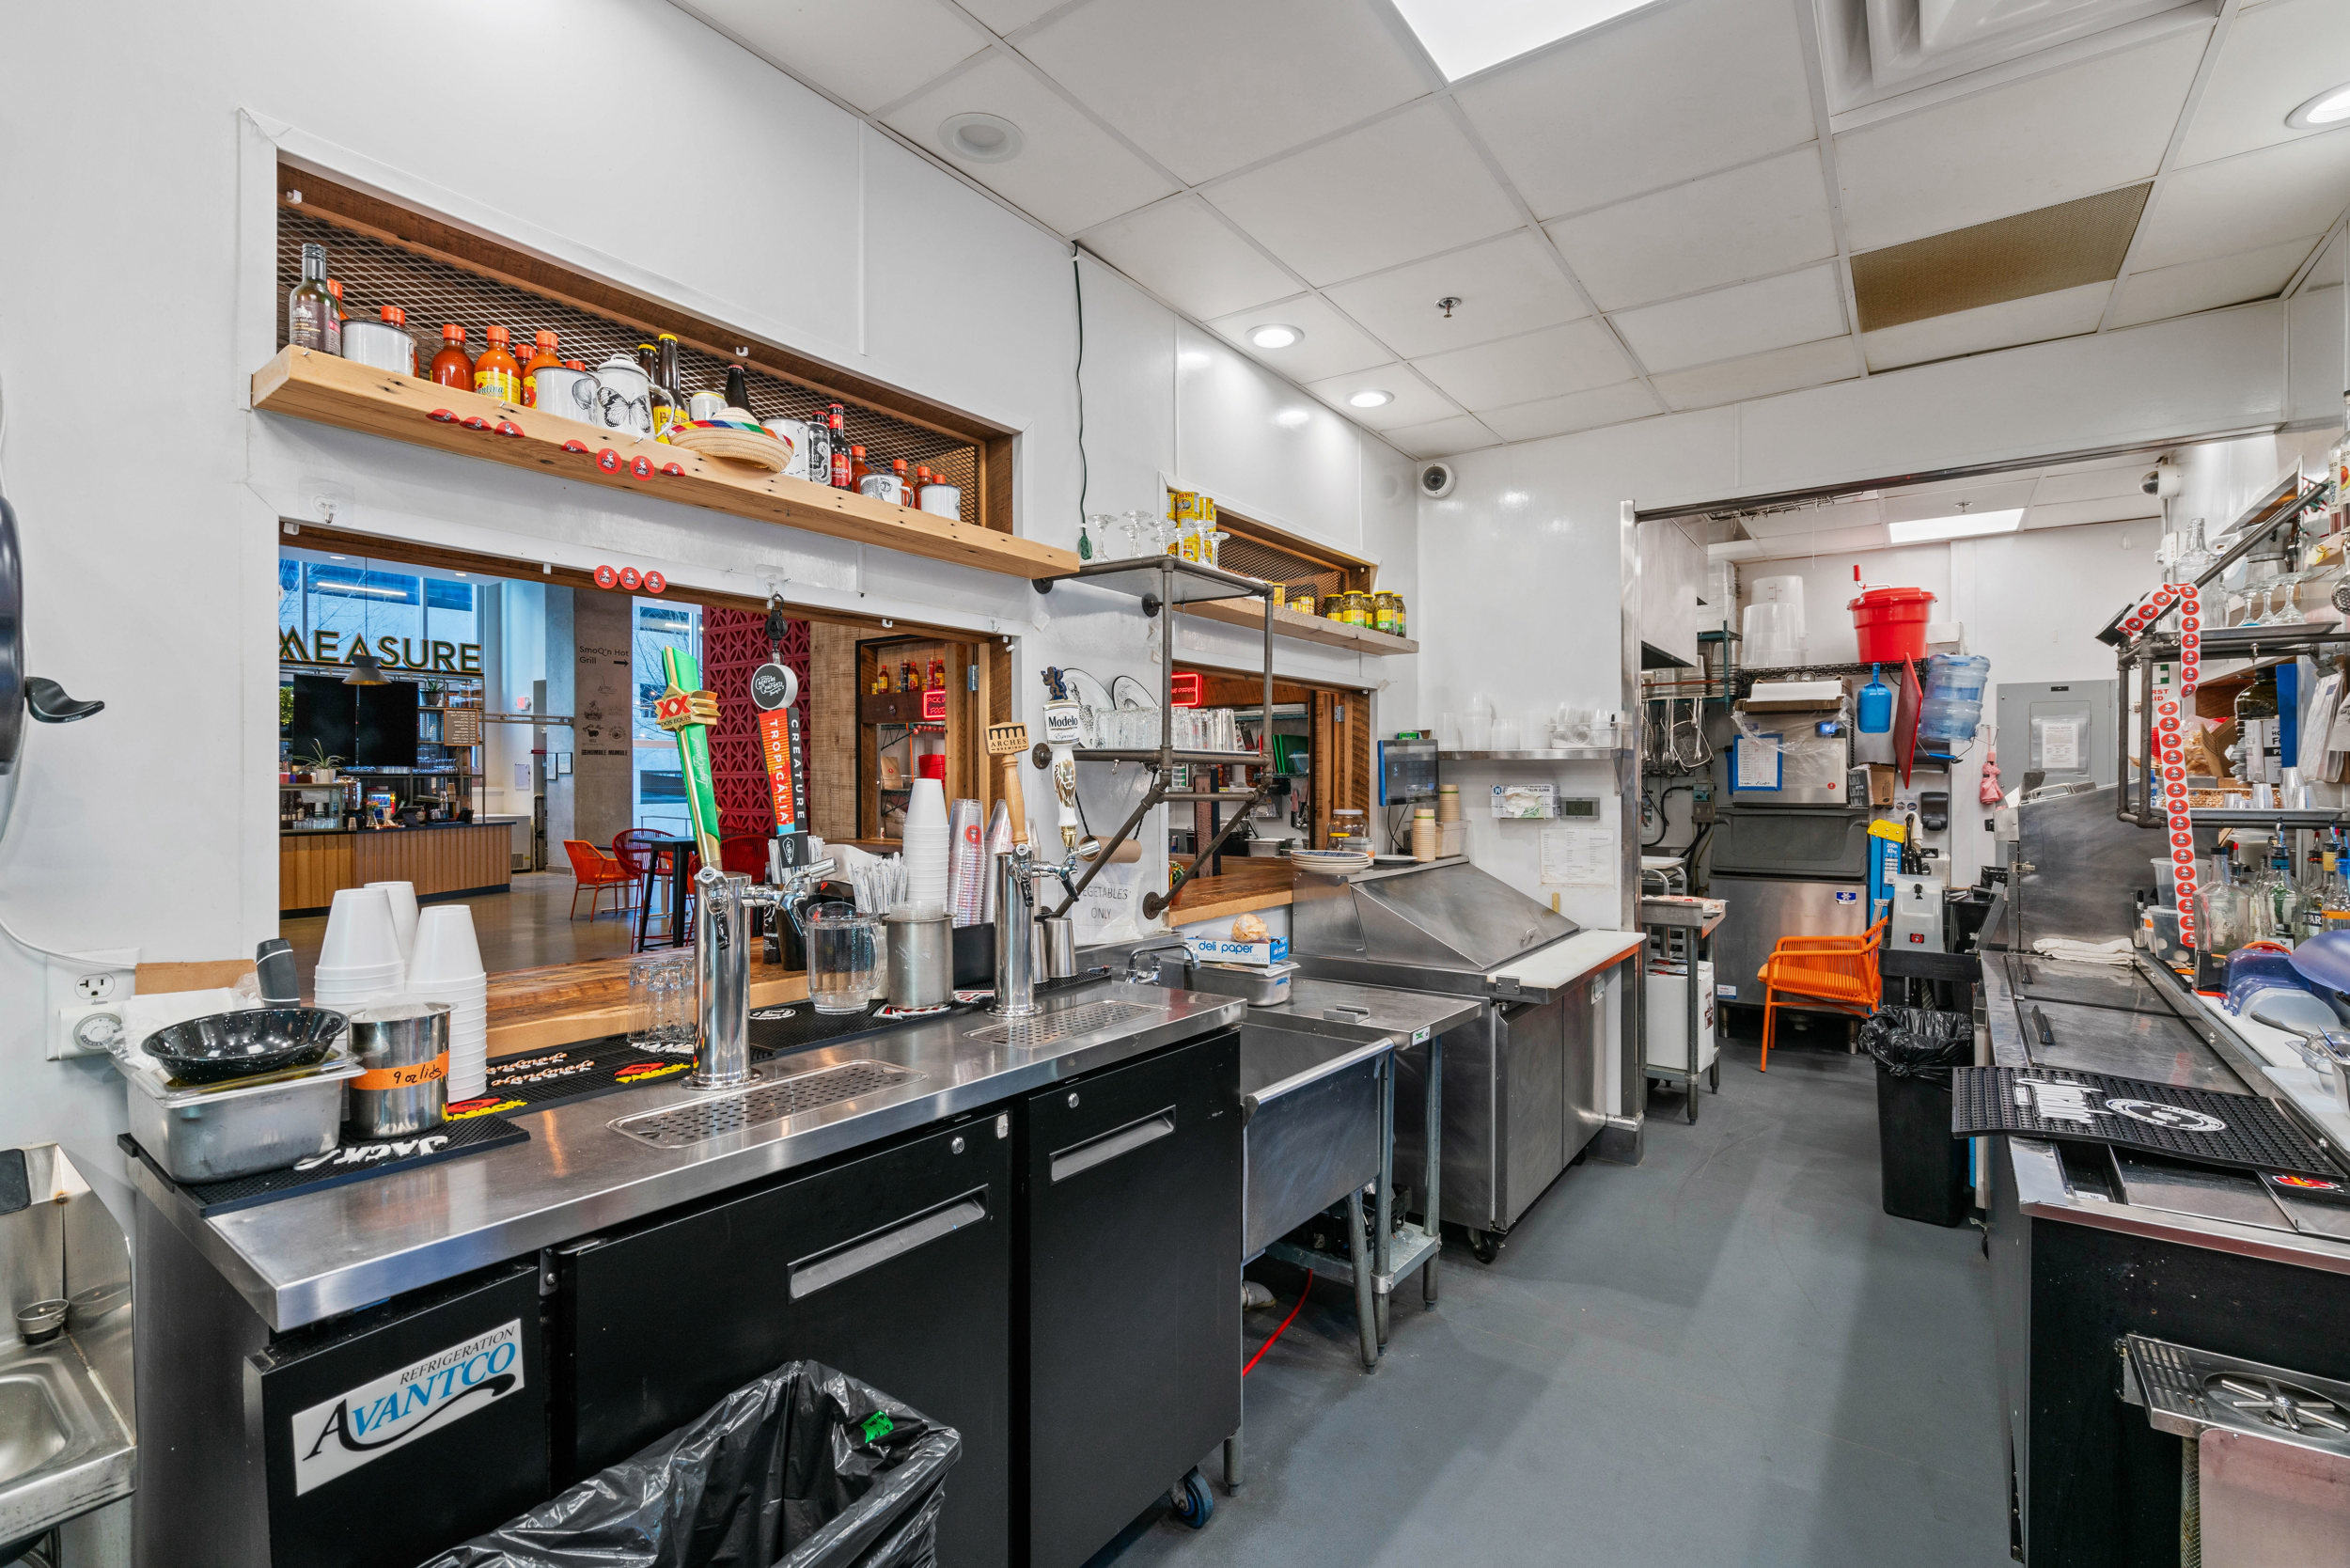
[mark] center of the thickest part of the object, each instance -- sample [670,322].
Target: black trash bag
[1919,1039]
[805,1467]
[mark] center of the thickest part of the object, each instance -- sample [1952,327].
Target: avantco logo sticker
[365,1424]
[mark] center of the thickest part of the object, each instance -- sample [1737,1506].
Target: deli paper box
[1209,950]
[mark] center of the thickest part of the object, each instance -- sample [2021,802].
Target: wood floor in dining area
[1727,1355]
[525,928]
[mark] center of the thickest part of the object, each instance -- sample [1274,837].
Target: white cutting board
[1562,964]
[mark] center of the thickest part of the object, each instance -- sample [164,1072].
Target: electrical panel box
[2062,730]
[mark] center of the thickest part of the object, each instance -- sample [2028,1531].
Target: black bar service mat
[355,1159]
[2195,1125]
[541,1080]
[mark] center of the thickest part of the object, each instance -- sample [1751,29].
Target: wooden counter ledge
[1247,884]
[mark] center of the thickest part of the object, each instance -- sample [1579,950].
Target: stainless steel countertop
[2221,1060]
[302,1258]
[1411,1015]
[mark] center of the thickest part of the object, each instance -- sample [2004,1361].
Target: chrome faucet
[722,965]
[1137,975]
[1016,870]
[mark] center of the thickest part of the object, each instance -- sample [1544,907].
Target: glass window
[660,802]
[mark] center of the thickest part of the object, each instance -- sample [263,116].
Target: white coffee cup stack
[403,900]
[446,967]
[926,844]
[360,958]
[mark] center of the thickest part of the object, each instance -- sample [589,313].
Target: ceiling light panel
[1762,375]
[1731,323]
[1190,257]
[1747,223]
[1411,400]
[2222,280]
[1576,411]
[2246,203]
[866,55]
[2275,59]
[1212,85]
[1547,364]
[1392,192]
[1927,530]
[2006,259]
[2015,149]
[1668,95]
[1441,438]
[1070,175]
[1331,344]
[2063,314]
[1464,37]
[1505,286]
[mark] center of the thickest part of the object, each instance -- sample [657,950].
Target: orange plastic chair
[593,871]
[1834,974]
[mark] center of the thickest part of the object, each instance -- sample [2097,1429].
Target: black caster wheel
[1484,1246]
[1193,1503]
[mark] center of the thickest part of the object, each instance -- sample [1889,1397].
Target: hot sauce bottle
[452,366]
[542,356]
[842,478]
[905,483]
[496,374]
[858,469]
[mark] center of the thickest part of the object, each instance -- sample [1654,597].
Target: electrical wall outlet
[97,981]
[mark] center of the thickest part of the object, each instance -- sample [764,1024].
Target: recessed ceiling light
[981,138]
[2330,108]
[1964,524]
[1463,37]
[1370,396]
[1290,419]
[1274,336]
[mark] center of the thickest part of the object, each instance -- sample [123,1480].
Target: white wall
[153,826]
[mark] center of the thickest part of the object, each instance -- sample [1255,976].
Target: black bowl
[245,1044]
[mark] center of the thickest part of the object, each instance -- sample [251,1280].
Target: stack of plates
[1330,862]
[448,968]
[360,958]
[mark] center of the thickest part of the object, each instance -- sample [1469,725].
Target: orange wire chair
[593,873]
[1836,974]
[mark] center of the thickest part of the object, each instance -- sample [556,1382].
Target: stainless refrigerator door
[1533,1100]
[1763,909]
[1472,1144]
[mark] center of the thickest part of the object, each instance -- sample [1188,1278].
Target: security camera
[2164,481]
[1435,480]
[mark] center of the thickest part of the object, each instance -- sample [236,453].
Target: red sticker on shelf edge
[656,583]
[640,467]
[445,416]
[606,577]
[630,578]
[608,460]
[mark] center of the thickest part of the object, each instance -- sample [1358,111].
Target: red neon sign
[1187,689]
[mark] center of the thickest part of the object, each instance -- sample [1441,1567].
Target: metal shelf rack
[1160,582]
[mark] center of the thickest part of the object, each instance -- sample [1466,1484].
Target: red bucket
[1892,624]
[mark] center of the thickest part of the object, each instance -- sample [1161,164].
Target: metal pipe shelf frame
[2134,801]
[1162,582]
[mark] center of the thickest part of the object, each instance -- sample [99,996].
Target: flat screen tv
[323,718]
[386,726]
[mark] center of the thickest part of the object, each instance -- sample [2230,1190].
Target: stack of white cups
[446,967]
[360,958]
[926,846]
[403,900]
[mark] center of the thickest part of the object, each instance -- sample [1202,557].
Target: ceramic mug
[706,405]
[625,395]
[883,486]
[793,435]
[567,394]
[945,500]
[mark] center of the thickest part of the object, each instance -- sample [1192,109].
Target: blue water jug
[1876,705]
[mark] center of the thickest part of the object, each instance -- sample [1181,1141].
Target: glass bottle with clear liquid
[2223,908]
[2195,557]
[2281,898]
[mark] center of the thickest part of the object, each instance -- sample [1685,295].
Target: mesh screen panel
[375,273]
[1255,559]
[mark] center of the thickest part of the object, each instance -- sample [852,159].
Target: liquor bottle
[2284,905]
[668,398]
[336,317]
[840,461]
[738,389]
[453,366]
[497,373]
[309,309]
[857,470]
[2224,908]
[908,680]
[542,357]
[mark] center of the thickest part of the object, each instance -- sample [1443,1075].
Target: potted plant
[318,767]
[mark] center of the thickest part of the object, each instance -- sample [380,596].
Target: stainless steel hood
[1444,916]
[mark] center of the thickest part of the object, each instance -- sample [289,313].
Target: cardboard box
[1210,950]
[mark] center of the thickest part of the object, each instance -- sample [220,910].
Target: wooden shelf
[334,391]
[1250,613]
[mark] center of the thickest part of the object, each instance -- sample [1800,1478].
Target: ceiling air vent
[1878,49]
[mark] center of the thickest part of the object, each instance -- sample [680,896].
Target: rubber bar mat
[2196,1124]
[355,1159]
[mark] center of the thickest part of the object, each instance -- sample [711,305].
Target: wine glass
[1135,523]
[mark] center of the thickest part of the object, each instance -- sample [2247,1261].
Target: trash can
[1925,1168]
[805,1467]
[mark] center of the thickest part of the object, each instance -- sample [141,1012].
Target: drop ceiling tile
[1505,286]
[1189,258]
[2274,59]
[2111,508]
[1441,438]
[2261,199]
[2326,272]
[2030,144]
[1747,223]
[866,55]
[1406,187]
[1070,175]
[1415,401]
[1210,86]
[1762,375]
[1576,411]
[2192,286]
[1665,96]
[2062,314]
[1728,323]
[1546,363]
[1332,345]
[1009,16]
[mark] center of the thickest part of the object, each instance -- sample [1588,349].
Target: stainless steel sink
[64,1449]
[1312,1103]
[33,1428]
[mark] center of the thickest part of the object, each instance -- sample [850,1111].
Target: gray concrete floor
[1725,1355]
